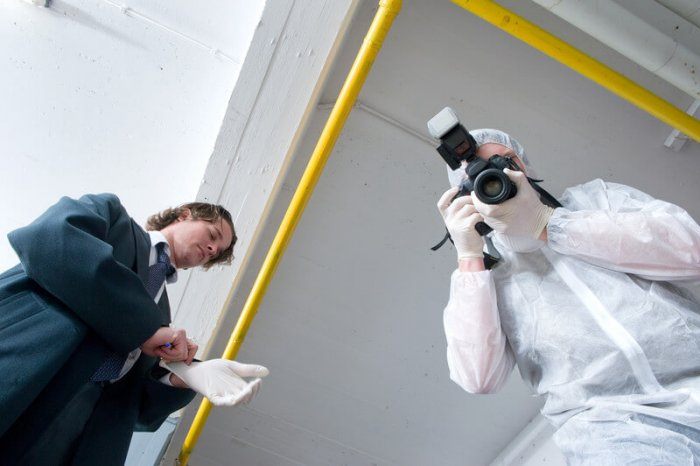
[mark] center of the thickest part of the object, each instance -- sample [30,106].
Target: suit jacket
[77,295]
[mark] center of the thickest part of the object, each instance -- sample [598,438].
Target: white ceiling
[94,100]
[351,326]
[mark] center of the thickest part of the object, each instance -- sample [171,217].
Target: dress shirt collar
[157,237]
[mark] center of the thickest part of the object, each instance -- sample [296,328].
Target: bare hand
[167,343]
[176,381]
[192,348]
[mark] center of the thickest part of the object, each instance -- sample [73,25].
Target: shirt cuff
[166,380]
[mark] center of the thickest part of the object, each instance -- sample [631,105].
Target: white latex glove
[220,380]
[460,219]
[523,215]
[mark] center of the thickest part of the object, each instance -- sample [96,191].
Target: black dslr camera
[485,178]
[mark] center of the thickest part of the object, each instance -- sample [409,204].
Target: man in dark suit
[84,318]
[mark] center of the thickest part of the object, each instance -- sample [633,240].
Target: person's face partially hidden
[485,151]
[195,242]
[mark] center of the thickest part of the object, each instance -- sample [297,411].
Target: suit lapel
[143,251]
[164,306]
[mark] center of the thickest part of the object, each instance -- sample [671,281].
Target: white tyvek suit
[594,321]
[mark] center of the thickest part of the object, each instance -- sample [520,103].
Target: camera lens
[492,186]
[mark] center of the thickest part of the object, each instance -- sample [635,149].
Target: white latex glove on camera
[523,215]
[220,380]
[460,219]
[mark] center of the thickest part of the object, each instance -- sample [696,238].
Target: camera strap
[545,197]
[491,257]
[443,241]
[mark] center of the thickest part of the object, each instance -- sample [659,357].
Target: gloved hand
[523,215]
[460,219]
[220,380]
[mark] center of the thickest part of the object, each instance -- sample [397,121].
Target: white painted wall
[273,99]
[533,446]
[547,453]
[95,100]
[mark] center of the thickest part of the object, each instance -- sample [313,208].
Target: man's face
[196,242]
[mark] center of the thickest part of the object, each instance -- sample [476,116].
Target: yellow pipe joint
[594,70]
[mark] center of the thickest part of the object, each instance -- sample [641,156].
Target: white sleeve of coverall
[478,354]
[624,229]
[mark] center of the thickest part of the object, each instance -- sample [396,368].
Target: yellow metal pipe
[388,9]
[585,65]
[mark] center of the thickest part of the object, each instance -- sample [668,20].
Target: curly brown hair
[199,211]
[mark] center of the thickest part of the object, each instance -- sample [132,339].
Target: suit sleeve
[159,401]
[623,229]
[479,356]
[66,251]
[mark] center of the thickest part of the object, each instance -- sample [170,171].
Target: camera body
[485,179]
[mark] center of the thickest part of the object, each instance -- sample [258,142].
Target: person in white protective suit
[586,301]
